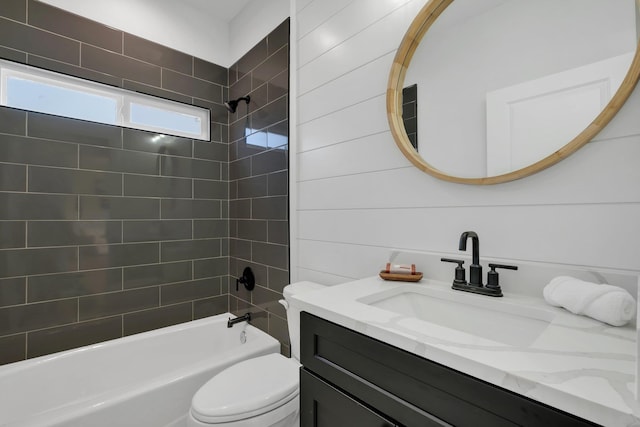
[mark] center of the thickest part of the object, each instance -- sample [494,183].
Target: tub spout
[244,317]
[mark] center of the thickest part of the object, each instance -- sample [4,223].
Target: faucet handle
[493,280]
[460,278]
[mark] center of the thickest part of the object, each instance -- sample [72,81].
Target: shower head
[232,105]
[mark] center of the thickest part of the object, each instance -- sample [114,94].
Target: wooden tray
[402,277]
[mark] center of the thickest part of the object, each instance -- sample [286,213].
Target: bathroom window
[33,89]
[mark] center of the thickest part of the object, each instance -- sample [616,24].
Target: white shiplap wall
[356,196]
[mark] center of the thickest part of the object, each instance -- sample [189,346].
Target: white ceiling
[223,10]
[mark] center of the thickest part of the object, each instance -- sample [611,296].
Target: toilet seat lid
[247,389]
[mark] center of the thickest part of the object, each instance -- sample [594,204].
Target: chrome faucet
[475,270]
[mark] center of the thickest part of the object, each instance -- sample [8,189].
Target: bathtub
[144,380]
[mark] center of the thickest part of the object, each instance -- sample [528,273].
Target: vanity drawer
[407,387]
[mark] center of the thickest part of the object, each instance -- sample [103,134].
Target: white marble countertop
[573,363]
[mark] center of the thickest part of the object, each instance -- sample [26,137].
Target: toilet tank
[293,313]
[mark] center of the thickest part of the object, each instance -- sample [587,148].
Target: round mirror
[496,90]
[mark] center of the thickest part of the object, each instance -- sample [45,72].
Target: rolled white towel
[606,303]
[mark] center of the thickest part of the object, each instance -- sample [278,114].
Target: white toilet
[259,392]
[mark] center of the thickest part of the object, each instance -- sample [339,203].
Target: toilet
[258,392]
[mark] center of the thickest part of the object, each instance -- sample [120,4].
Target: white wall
[253,23]
[358,197]
[184,27]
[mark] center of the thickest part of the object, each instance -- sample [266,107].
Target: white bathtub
[144,380]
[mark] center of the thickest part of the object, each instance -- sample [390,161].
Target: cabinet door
[322,405]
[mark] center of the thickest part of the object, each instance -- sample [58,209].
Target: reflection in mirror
[504,84]
[410,113]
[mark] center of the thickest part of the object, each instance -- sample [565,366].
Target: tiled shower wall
[105,231]
[258,174]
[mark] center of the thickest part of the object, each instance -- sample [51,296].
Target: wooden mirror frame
[422,22]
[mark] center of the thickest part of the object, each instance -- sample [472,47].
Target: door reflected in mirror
[504,84]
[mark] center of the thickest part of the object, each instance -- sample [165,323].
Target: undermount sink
[496,319]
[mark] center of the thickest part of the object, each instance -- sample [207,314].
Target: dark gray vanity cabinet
[349,379]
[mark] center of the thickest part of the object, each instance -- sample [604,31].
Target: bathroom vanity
[378,353]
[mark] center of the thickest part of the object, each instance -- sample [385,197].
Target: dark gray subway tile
[210,150]
[74,284]
[13,348]
[13,121]
[240,208]
[252,230]
[218,112]
[98,207]
[106,256]
[278,37]
[35,151]
[251,59]
[73,233]
[189,168]
[278,183]
[270,208]
[204,189]
[219,132]
[270,254]
[278,278]
[274,65]
[156,318]
[210,71]
[278,134]
[240,168]
[270,114]
[192,249]
[14,9]
[146,231]
[155,143]
[107,159]
[47,341]
[73,70]
[23,262]
[189,291]
[33,40]
[13,291]
[13,177]
[240,249]
[61,22]
[259,97]
[22,318]
[252,187]
[13,55]
[278,327]
[211,267]
[253,144]
[278,86]
[270,161]
[239,129]
[103,305]
[240,88]
[12,234]
[267,300]
[189,209]
[108,62]
[69,181]
[278,232]
[210,228]
[73,130]
[150,186]
[210,306]
[157,54]
[154,91]
[156,274]
[187,85]
[20,206]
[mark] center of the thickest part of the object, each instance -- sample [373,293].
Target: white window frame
[124,98]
